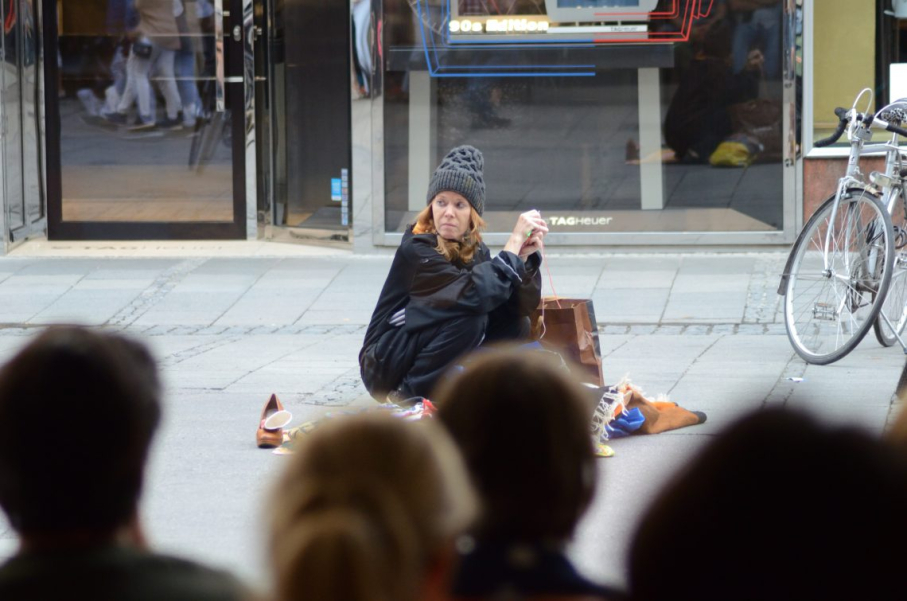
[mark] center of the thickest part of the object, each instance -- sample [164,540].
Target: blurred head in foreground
[777,507]
[78,409]
[368,509]
[523,427]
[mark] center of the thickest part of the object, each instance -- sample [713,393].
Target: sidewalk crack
[315,300]
[154,293]
[778,395]
[692,363]
[670,291]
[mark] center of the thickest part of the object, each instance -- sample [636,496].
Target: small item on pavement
[270,426]
[421,409]
[603,450]
[623,410]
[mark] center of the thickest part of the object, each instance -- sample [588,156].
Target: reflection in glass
[632,149]
[136,99]
[12,109]
[21,143]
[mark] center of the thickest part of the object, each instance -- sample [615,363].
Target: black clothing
[497,568]
[412,363]
[698,118]
[114,573]
[449,308]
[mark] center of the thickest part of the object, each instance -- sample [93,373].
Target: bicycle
[847,270]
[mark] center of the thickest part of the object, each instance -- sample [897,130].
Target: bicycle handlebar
[842,125]
[893,128]
[869,119]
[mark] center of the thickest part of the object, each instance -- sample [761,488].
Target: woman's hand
[527,236]
[532,244]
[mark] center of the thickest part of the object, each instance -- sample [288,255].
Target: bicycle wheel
[895,304]
[828,308]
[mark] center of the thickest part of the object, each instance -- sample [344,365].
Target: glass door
[145,119]
[307,113]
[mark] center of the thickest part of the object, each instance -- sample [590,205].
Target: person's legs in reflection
[115,90]
[137,89]
[745,35]
[771,34]
[163,60]
[188,91]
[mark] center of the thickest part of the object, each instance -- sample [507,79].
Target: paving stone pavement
[705,328]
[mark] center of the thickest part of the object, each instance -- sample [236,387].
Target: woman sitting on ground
[445,294]
[368,510]
[523,427]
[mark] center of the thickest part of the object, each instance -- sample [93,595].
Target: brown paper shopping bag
[568,326]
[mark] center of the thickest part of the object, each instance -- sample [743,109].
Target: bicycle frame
[853,178]
[890,187]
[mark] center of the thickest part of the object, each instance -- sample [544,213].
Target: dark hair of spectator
[777,507]
[523,426]
[78,410]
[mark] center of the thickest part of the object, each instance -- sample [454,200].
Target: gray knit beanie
[461,172]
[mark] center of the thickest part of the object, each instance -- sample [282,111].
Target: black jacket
[433,289]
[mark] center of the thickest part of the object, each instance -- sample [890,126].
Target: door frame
[235,91]
[13,236]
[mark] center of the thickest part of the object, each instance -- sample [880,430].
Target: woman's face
[450,212]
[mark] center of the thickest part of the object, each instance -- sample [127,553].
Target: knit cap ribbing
[461,171]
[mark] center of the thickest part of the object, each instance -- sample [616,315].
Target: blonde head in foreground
[368,510]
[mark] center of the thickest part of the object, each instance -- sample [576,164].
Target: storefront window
[621,135]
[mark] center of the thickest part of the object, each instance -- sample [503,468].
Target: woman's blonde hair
[364,508]
[451,249]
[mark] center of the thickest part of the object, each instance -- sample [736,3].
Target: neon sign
[441,42]
[507,25]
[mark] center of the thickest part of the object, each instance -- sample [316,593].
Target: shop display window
[632,137]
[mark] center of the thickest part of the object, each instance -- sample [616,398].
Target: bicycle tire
[895,303]
[827,312]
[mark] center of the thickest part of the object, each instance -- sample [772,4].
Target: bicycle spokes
[837,271]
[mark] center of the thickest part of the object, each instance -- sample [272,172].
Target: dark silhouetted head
[777,507]
[78,409]
[523,427]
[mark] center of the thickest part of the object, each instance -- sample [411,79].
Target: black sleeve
[526,298]
[441,290]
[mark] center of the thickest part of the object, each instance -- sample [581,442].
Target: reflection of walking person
[187,21]
[445,293]
[154,49]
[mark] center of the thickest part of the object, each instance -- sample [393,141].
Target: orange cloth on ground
[661,416]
